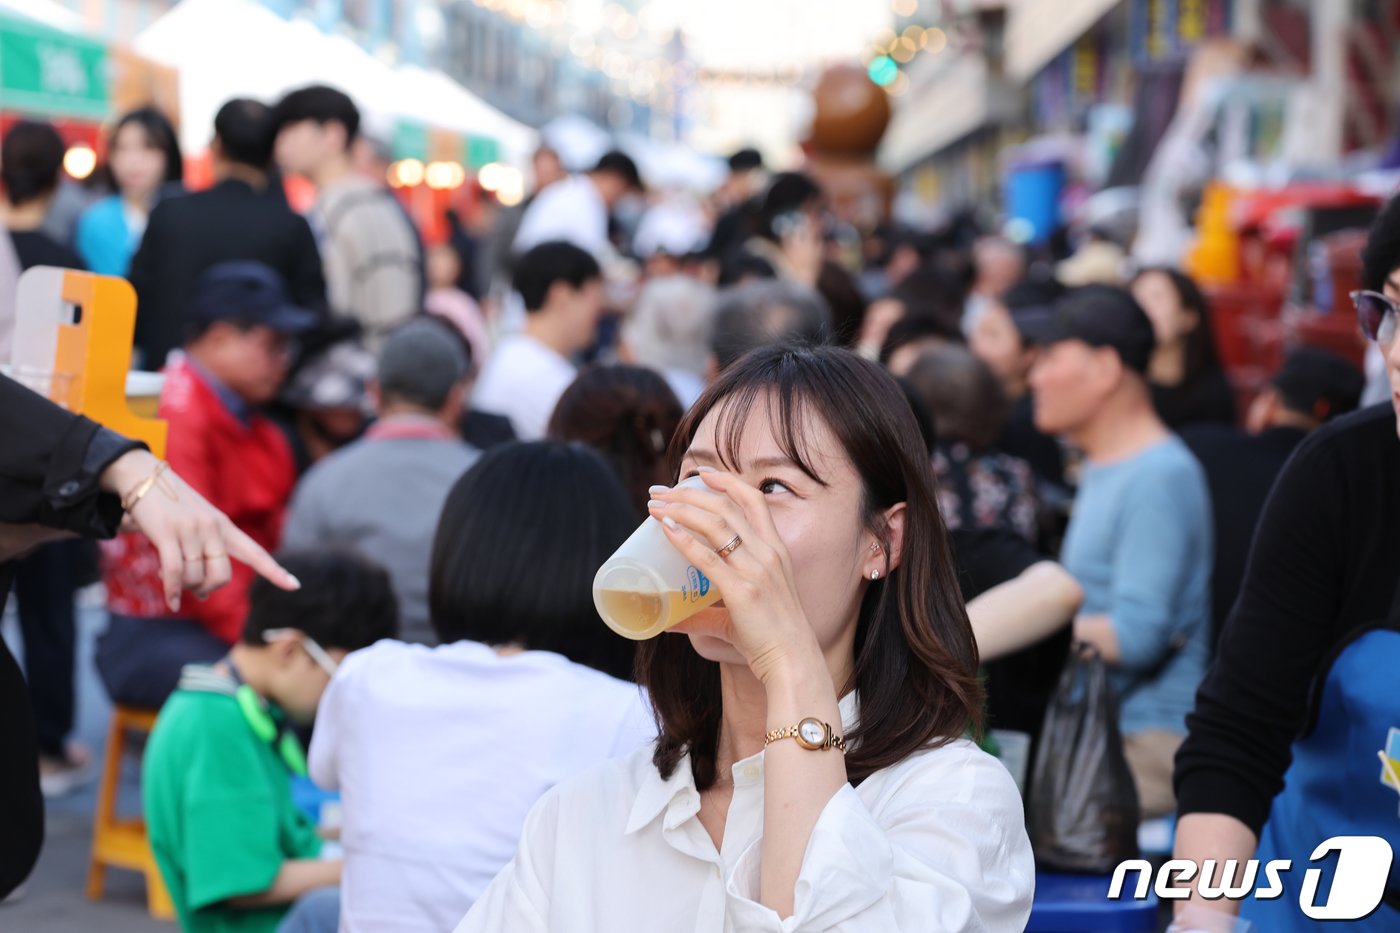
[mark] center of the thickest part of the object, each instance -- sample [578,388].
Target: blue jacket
[103,238]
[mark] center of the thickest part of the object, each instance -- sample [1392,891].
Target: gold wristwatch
[812,734]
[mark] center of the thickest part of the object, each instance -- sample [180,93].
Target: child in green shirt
[216,780]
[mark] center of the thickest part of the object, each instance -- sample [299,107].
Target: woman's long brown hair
[915,657]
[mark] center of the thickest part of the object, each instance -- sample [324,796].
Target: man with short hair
[1313,387]
[1139,541]
[373,260]
[562,288]
[241,326]
[577,208]
[398,475]
[735,199]
[761,313]
[234,220]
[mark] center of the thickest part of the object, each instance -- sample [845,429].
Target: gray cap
[421,362]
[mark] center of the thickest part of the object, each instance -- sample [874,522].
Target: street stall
[50,69]
[438,135]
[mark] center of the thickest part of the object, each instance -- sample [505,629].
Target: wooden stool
[118,843]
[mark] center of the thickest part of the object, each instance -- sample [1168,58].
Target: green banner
[52,73]
[410,140]
[479,150]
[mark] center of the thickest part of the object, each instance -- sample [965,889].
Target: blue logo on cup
[699,585]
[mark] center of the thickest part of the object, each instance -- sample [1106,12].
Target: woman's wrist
[795,671]
[127,471]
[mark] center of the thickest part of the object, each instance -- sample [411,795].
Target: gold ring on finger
[731,547]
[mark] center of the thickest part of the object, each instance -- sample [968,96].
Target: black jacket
[1240,470]
[187,235]
[50,461]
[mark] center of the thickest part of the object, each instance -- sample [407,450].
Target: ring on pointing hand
[731,547]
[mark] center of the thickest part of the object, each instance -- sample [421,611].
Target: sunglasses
[317,653]
[1377,315]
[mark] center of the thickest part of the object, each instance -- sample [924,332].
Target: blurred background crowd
[375,244]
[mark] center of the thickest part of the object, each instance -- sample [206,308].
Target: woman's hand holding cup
[764,620]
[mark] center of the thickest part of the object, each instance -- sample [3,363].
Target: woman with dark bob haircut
[519,539]
[813,771]
[439,753]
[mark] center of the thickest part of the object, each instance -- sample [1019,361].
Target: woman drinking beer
[812,771]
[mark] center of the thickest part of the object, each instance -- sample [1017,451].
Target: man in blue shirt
[1139,539]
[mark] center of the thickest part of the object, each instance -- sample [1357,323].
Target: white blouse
[935,843]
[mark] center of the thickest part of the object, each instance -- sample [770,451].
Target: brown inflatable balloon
[850,113]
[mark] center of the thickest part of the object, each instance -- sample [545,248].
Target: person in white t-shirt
[576,209]
[812,772]
[562,287]
[439,753]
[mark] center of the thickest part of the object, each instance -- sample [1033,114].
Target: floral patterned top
[989,489]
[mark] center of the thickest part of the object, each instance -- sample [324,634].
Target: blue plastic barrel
[1033,192]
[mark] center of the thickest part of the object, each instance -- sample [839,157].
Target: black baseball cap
[621,164]
[746,160]
[1319,383]
[1030,300]
[249,293]
[1099,315]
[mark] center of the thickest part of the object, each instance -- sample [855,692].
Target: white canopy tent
[343,64]
[433,98]
[578,140]
[48,12]
[239,48]
[225,49]
[674,166]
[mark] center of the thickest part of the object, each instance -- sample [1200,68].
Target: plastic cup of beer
[648,586]
[143,393]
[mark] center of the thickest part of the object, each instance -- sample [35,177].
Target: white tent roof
[434,98]
[224,49]
[342,63]
[578,140]
[47,12]
[674,166]
[209,41]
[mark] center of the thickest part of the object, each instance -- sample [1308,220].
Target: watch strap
[794,732]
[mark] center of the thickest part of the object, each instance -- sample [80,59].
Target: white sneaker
[60,777]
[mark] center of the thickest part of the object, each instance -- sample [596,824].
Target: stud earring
[874,574]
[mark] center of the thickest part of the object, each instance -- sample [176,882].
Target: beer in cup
[648,586]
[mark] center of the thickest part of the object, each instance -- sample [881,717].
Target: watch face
[812,732]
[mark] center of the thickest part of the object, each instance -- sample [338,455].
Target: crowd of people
[929,465]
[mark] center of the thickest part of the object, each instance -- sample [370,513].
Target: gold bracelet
[146,485]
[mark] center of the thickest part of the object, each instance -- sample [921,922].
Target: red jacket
[245,470]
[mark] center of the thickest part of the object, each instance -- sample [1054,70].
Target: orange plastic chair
[81,361]
[122,843]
